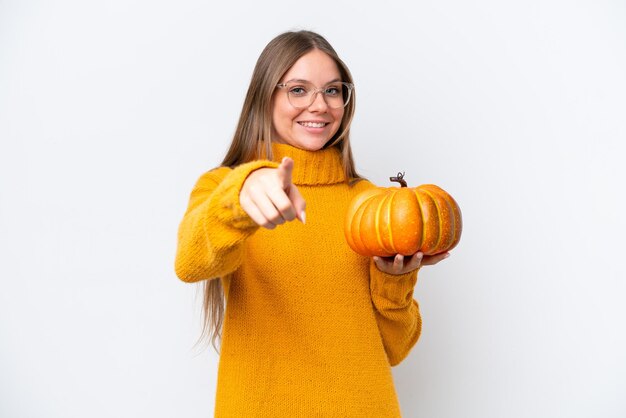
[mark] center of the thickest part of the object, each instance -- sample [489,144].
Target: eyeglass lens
[303,94]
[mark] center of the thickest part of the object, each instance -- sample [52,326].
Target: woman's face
[312,127]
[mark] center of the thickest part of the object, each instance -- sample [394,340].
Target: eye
[332,91]
[298,91]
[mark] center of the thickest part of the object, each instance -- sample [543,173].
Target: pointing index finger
[284,171]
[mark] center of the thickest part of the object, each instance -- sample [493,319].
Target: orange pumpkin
[390,221]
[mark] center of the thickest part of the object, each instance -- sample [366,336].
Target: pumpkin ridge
[389,228]
[446,236]
[458,225]
[419,205]
[382,223]
[455,228]
[440,223]
[451,222]
[458,222]
[356,226]
[368,223]
[377,222]
[453,233]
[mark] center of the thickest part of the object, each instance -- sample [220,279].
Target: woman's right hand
[270,198]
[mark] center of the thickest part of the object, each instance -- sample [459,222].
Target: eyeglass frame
[349,86]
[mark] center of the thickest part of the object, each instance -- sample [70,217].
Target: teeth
[313,124]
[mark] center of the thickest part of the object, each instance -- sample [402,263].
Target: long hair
[253,136]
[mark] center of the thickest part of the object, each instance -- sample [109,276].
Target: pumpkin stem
[400,179]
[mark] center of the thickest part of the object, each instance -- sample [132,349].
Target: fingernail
[303,217]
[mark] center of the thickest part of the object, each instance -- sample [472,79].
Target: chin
[313,145]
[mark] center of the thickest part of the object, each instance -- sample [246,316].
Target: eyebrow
[300,80]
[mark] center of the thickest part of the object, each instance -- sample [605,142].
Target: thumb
[284,172]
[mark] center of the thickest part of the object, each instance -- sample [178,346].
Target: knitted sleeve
[397,313]
[214,227]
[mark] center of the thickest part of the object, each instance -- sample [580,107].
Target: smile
[313,124]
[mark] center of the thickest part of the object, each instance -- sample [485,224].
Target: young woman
[310,327]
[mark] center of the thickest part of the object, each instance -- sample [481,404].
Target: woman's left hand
[400,264]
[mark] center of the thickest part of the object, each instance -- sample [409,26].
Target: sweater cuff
[391,291]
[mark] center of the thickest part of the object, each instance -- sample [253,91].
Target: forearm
[204,251]
[397,313]
[214,228]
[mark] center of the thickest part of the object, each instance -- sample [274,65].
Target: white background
[109,112]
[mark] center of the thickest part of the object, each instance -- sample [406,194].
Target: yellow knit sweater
[311,328]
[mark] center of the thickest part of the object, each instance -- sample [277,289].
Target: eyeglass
[302,94]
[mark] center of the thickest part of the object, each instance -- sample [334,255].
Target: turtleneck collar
[312,167]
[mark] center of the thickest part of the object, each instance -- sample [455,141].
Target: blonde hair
[253,136]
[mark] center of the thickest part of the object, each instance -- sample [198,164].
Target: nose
[319,102]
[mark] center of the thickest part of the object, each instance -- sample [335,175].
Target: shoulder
[361,185]
[212,178]
[231,175]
